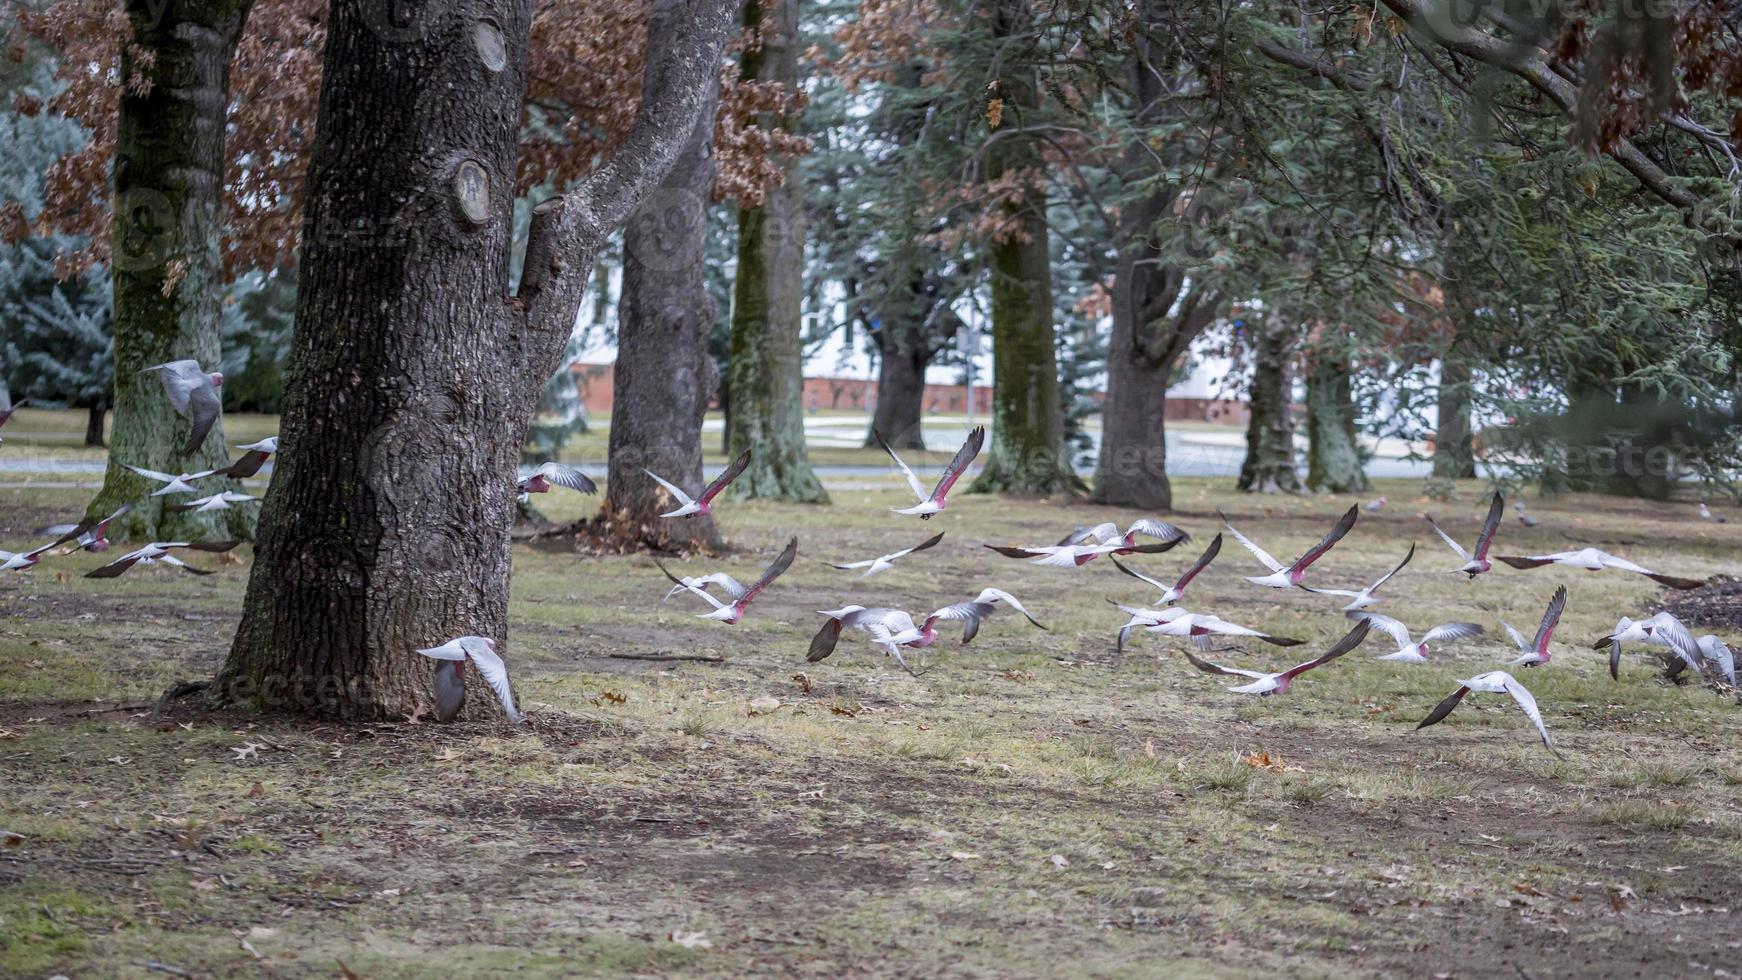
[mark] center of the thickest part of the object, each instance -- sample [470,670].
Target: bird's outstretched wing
[495,674]
[780,564]
[726,477]
[1330,539]
[1550,617]
[959,464]
[1496,510]
[1350,641]
[1257,552]
[912,481]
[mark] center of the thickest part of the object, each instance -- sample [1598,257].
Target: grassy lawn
[1033,806]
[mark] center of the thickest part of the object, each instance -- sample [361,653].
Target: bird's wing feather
[1528,704]
[568,476]
[1386,624]
[1139,576]
[923,545]
[1550,617]
[683,499]
[959,464]
[1451,631]
[495,674]
[725,478]
[1211,668]
[1496,510]
[1387,576]
[204,408]
[1350,641]
[1257,552]
[1444,708]
[1330,539]
[1202,563]
[912,481]
[773,572]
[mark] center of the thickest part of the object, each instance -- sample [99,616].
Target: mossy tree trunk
[1269,466]
[766,365]
[1028,453]
[167,258]
[1334,460]
[664,376]
[414,370]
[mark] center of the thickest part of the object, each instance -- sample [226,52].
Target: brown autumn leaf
[850,710]
[994,113]
[256,791]
[1019,676]
[610,696]
[803,681]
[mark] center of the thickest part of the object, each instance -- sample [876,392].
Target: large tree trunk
[1454,439]
[904,352]
[664,376]
[1270,464]
[767,360]
[1334,463]
[167,259]
[414,372]
[1028,452]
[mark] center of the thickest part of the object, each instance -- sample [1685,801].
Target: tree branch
[685,41]
[1528,64]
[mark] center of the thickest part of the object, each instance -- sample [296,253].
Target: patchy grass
[1035,805]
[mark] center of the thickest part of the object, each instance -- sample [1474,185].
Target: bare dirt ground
[1034,806]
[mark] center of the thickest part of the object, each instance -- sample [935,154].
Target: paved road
[1211,454]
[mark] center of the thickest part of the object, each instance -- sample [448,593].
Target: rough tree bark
[1269,466]
[1028,453]
[1153,324]
[413,371]
[166,257]
[767,360]
[95,416]
[664,375]
[1334,463]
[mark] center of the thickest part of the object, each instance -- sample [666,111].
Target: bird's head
[217,379]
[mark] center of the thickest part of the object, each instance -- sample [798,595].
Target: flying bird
[699,584]
[851,617]
[179,483]
[553,474]
[1290,576]
[1523,518]
[730,613]
[1365,597]
[159,551]
[1409,651]
[1199,627]
[1592,560]
[1476,563]
[1536,652]
[217,501]
[10,562]
[1267,684]
[450,682]
[897,629]
[1493,682]
[1172,593]
[1085,544]
[1662,630]
[193,393]
[6,413]
[882,562]
[688,506]
[934,502]
[86,535]
[254,455]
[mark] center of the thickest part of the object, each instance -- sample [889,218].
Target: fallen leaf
[764,705]
[803,681]
[256,791]
[1019,676]
[611,696]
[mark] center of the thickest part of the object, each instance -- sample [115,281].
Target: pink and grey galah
[450,675]
[1264,684]
[703,504]
[730,613]
[193,393]
[931,503]
[1286,577]
[1476,562]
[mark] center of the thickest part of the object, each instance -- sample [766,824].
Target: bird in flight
[1199,627]
[217,501]
[882,562]
[699,584]
[1085,544]
[254,455]
[935,501]
[553,474]
[159,551]
[1535,653]
[1493,682]
[1172,593]
[1409,651]
[898,630]
[730,613]
[86,535]
[1365,597]
[1278,683]
[179,483]
[193,393]
[1476,563]
[1592,560]
[10,562]
[1662,630]
[1523,518]
[1282,577]
[688,506]
[450,681]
